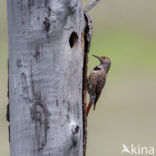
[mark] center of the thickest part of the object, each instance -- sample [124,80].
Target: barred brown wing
[100,84]
[92,82]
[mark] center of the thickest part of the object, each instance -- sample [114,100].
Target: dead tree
[48,45]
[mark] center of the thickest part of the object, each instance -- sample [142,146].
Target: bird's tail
[94,106]
[88,107]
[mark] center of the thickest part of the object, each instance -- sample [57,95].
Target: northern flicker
[96,80]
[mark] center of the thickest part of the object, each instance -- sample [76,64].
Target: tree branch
[91,5]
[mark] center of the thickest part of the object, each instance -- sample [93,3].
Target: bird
[96,81]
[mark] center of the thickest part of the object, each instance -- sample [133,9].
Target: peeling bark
[47,71]
[86,41]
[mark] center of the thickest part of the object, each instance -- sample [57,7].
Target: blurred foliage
[124,30]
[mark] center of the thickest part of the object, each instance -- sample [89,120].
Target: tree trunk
[46,77]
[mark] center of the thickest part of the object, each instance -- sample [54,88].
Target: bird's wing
[92,82]
[101,79]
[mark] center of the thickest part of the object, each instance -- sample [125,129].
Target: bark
[47,69]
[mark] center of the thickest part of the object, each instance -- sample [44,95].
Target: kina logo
[137,150]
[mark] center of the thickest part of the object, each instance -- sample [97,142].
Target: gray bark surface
[46,59]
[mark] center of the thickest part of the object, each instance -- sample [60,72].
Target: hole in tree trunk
[73,40]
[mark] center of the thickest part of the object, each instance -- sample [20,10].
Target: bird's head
[105,62]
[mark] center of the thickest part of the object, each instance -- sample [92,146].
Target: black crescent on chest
[96,68]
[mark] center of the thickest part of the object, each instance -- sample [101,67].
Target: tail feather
[88,107]
[94,106]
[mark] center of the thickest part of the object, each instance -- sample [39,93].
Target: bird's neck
[105,66]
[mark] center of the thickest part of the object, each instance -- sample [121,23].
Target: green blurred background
[124,30]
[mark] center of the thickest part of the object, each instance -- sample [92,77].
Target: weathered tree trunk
[46,77]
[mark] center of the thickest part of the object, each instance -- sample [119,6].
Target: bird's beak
[96,57]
